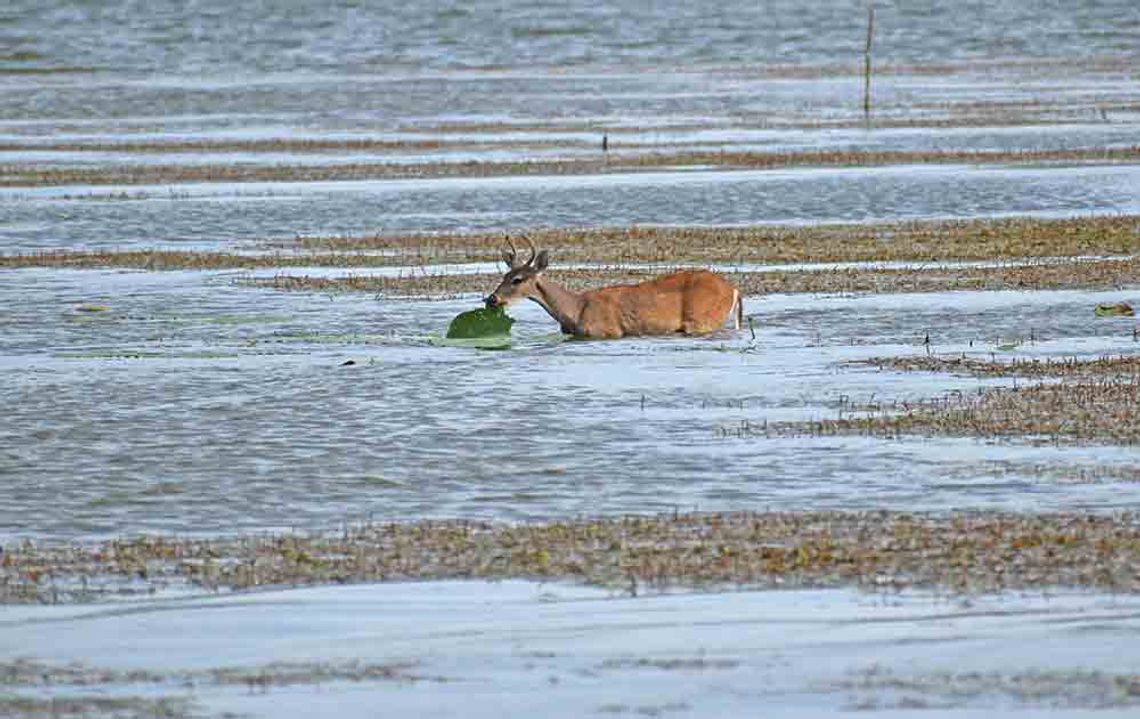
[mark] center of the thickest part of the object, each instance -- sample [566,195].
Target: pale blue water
[217,39]
[198,405]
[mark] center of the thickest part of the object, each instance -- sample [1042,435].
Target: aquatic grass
[1034,273]
[87,706]
[983,239]
[1073,274]
[1126,365]
[958,552]
[78,689]
[880,688]
[51,70]
[1102,410]
[29,673]
[18,175]
[991,239]
[159,260]
[290,144]
[127,354]
[1044,274]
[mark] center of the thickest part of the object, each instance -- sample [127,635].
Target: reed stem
[867,64]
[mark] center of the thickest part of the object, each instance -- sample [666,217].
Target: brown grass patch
[1101,411]
[903,241]
[96,705]
[39,176]
[185,260]
[298,145]
[960,552]
[1068,275]
[881,689]
[1036,367]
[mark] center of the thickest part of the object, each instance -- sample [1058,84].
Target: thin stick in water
[867,64]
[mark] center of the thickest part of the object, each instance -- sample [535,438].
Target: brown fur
[691,302]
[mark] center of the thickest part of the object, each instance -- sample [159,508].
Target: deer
[690,302]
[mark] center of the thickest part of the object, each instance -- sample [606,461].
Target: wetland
[246,473]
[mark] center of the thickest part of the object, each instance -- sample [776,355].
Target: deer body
[690,302]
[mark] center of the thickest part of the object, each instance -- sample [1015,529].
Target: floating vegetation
[1098,411]
[91,308]
[942,241]
[879,688]
[85,706]
[963,552]
[478,323]
[293,144]
[1123,365]
[21,673]
[110,354]
[81,690]
[126,354]
[182,259]
[40,176]
[686,664]
[893,241]
[1053,472]
[1118,309]
[1074,274]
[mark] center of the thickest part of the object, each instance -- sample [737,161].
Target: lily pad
[480,323]
[1119,309]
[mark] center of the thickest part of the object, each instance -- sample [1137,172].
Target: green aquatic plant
[1118,309]
[483,322]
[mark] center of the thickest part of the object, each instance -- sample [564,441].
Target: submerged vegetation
[893,241]
[1100,411]
[956,552]
[1077,274]
[881,689]
[41,176]
[1097,401]
[1124,365]
[81,690]
[1091,252]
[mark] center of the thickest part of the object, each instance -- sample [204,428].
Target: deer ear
[508,259]
[541,261]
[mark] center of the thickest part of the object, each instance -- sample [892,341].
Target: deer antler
[510,256]
[533,252]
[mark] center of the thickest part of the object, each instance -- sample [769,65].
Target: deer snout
[491,301]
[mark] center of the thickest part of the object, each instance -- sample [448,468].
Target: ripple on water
[210,217]
[199,426]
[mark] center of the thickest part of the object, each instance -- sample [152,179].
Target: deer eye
[516,281]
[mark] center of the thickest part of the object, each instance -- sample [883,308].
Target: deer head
[522,277]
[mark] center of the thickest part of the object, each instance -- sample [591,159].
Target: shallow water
[215,37]
[488,80]
[199,405]
[215,215]
[479,649]
[194,405]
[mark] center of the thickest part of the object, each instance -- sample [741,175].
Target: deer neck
[564,305]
